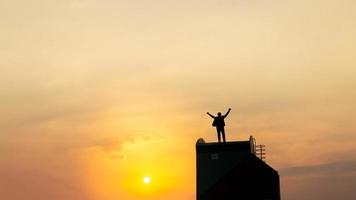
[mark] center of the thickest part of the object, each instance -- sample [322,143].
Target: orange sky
[96,95]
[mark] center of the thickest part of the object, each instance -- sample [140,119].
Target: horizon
[104,100]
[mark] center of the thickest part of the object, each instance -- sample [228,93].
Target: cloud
[109,145]
[327,168]
[113,146]
[320,187]
[34,182]
[329,181]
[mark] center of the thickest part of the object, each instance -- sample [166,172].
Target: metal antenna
[261,152]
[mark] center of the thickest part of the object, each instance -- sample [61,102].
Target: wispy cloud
[327,168]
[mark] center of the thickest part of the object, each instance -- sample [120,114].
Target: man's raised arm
[210,115]
[227,112]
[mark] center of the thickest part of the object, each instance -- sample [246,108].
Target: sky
[96,95]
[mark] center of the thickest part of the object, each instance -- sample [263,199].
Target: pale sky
[96,95]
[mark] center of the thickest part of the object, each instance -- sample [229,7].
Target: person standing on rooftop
[219,123]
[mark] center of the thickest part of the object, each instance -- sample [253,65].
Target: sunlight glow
[147,180]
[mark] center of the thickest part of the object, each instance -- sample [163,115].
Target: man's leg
[223,133]
[218,132]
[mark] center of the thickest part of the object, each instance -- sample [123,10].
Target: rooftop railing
[259,150]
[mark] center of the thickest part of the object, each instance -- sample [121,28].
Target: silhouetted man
[219,123]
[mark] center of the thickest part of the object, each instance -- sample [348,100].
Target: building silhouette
[234,171]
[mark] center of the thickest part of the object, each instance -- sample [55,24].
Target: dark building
[232,171]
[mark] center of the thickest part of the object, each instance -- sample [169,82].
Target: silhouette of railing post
[253,144]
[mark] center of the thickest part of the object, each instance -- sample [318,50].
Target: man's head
[219,114]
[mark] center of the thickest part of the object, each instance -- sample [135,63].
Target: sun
[147,180]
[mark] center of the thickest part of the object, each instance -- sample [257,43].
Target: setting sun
[147,180]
